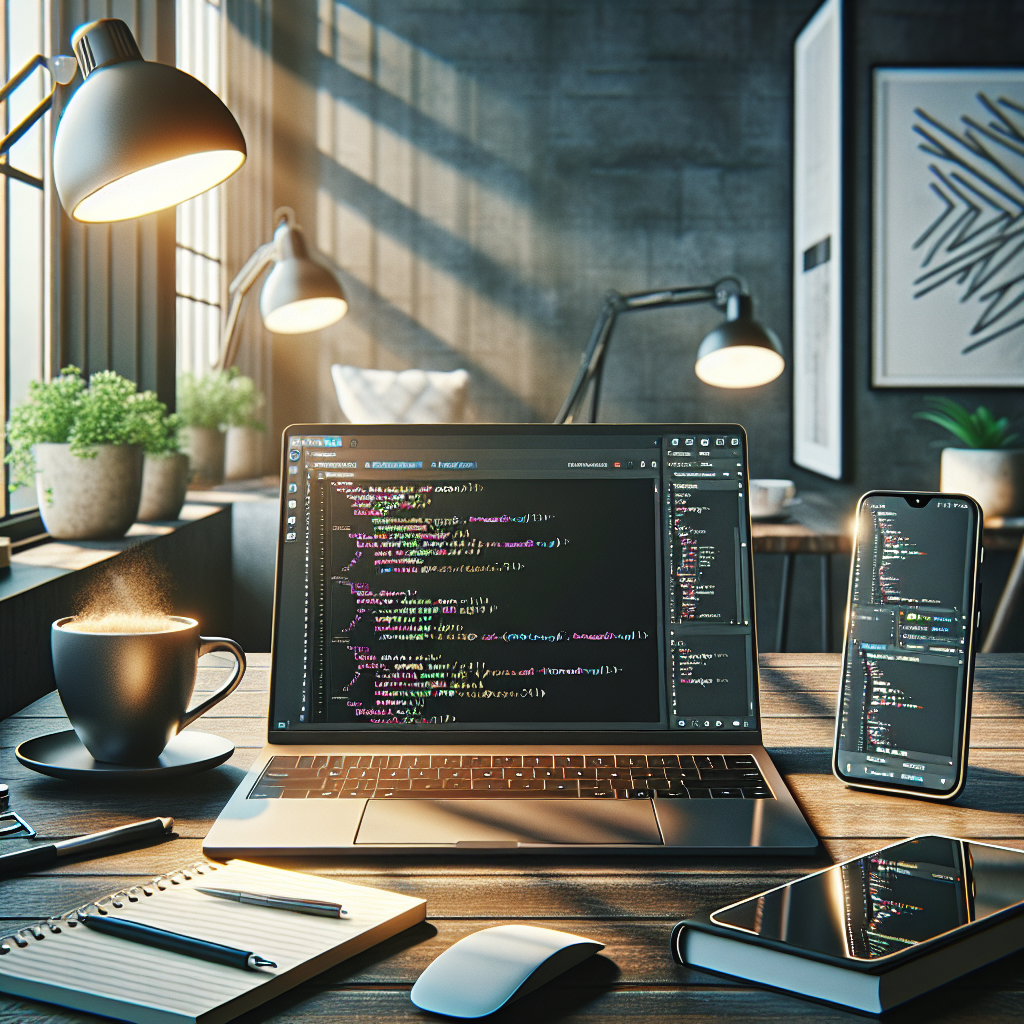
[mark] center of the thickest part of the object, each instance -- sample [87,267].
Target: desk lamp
[739,353]
[300,294]
[137,136]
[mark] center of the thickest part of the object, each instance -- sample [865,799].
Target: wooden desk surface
[821,538]
[630,904]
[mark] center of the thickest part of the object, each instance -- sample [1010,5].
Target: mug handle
[217,643]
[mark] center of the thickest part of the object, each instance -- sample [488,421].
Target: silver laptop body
[513,637]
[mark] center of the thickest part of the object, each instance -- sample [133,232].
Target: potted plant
[989,467]
[83,445]
[243,457]
[165,472]
[204,405]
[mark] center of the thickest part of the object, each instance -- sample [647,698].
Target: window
[199,251]
[25,204]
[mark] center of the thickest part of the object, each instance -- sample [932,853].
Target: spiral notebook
[59,961]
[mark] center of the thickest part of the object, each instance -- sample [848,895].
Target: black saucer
[63,756]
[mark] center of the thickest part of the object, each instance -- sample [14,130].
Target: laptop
[502,637]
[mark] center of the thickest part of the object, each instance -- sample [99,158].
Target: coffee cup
[127,693]
[770,497]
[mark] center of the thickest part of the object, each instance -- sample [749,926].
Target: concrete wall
[482,171]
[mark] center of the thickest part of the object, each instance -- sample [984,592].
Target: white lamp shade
[300,295]
[137,136]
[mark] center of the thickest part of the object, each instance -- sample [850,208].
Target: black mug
[127,694]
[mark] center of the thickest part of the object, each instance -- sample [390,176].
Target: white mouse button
[480,973]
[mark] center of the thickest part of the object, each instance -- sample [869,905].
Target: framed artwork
[817,244]
[948,246]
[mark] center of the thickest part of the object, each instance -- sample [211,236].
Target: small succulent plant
[978,429]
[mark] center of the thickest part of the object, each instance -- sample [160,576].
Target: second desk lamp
[739,353]
[300,294]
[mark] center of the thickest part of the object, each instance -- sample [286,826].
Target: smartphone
[912,617]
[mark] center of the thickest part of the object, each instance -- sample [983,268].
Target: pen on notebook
[146,935]
[32,858]
[319,908]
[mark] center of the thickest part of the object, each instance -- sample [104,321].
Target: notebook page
[82,961]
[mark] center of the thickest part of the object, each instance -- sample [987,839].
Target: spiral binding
[21,938]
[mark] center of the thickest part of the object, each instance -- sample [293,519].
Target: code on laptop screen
[552,581]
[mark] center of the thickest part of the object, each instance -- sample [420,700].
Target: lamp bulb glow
[740,366]
[157,187]
[305,315]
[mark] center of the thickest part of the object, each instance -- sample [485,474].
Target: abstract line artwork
[949,228]
[977,241]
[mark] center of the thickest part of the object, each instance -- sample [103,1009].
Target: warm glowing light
[157,187]
[121,622]
[740,366]
[305,315]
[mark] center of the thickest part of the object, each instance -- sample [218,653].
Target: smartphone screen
[907,660]
[888,901]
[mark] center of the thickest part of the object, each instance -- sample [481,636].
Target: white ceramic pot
[205,448]
[994,477]
[84,498]
[164,481]
[243,455]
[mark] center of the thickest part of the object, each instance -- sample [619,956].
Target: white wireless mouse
[482,972]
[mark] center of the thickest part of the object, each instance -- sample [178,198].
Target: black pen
[146,935]
[318,908]
[33,858]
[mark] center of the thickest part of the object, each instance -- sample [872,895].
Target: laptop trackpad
[508,822]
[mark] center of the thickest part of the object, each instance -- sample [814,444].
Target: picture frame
[818,244]
[948,260]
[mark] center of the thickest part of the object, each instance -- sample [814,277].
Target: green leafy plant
[167,439]
[206,401]
[218,400]
[246,404]
[978,429]
[66,410]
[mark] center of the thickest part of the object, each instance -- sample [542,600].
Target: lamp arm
[58,72]
[239,287]
[592,358]
[670,297]
[592,363]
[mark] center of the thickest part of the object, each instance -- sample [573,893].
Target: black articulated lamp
[300,294]
[136,136]
[739,353]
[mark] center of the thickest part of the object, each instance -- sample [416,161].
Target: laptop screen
[584,578]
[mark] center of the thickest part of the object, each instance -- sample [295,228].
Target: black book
[874,931]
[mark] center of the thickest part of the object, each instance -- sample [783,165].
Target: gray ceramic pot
[243,453]
[164,481]
[88,498]
[127,694]
[205,447]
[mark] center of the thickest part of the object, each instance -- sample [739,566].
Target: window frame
[24,525]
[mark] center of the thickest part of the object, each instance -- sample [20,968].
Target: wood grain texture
[630,904]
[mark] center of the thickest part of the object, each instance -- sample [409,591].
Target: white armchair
[400,396]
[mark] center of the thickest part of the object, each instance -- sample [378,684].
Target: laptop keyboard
[433,776]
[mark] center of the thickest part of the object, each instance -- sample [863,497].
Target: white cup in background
[770,497]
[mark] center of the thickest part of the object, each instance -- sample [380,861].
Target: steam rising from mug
[131,595]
